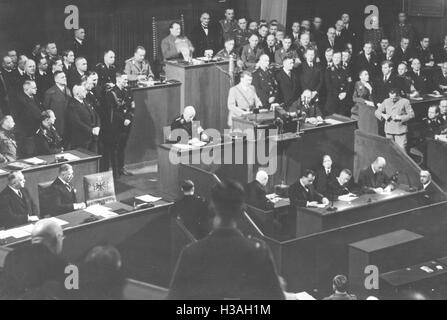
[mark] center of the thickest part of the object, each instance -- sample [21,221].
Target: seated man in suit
[431,194]
[192,211]
[373,179]
[47,140]
[16,205]
[340,186]
[432,123]
[63,193]
[256,193]
[36,272]
[440,78]
[420,79]
[8,144]
[188,123]
[303,194]
[325,174]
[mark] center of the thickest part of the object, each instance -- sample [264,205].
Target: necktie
[328,172]
[20,194]
[311,65]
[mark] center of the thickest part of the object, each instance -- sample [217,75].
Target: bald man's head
[189,113]
[48,233]
[262,177]
[379,164]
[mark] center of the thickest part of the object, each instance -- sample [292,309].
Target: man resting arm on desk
[341,186]
[242,98]
[303,194]
[256,194]
[374,180]
[187,123]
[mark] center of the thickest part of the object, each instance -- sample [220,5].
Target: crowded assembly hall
[166,161]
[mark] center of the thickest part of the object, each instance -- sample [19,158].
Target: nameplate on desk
[101,211]
[67,156]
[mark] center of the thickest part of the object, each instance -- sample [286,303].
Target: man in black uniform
[337,81]
[235,268]
[187,122]
[192,211]
[265,82]
[47,140]
[106,72]
[120,102]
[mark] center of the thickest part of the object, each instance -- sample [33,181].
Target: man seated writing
[374,180]
[303,194]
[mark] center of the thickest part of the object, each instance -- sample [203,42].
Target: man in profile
[256,192]
[235,268]
[63,194]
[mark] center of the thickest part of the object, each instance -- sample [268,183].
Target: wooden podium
[204,86]
[155,108]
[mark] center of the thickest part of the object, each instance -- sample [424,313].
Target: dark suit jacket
[440,53]
[322,180]
[421,83]
[225,265]
[289,91]
[43,82]
[193,212]
[325,44]
[361,63]
[256,196]
[57,101]
[335,189]
[62,199]
[400,56]
[74,78]
[14,211]
[82,118]
[29,111]
[202,42]
[47,142]
[368,180]
[299,196]
[439,80]
[381,88]
[311,78]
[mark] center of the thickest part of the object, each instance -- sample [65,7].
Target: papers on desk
[35,161]
[101,211]
[148,198]
[435,95]
[417,98]
[304,296]
[60,222]
[347,197]
[332,122]
[68,156]
[274,198]
[17,233]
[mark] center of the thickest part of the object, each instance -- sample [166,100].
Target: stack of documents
[101,211]
[148,198]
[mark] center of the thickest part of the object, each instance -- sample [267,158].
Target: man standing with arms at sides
[236,268]
[205,36]
[120,102]
[403,29]
[241,34]
[316,30]
[77,74]
[169,49]
[228,24]
[265,82]
[57,99]
[68,60]
[251,53]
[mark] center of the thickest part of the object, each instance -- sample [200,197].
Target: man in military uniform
[241,34]
[106,72]
[432,123]
[251,53]
[229,51]
[337,84]
[47,140]
[120,102]
[228,24]
[138,68]
[424,54]
[265,82]
[192,211]
[187,122]
[287,51]
[237,267]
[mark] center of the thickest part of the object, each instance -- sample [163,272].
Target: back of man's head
[340,284]
[48,233]
[228,199]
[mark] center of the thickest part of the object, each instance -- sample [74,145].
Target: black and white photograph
[223,151]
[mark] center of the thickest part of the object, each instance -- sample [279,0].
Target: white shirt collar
[16,191]
[372,168]
[426,185]
[79,41]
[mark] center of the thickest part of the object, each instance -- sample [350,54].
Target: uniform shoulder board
[100,65]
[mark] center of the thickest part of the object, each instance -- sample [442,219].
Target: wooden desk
[436,161]
[155,108]
[366,207]
[206,87]
[86,165]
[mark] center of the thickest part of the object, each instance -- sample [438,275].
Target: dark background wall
[123,24]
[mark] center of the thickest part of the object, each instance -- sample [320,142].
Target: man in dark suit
[68,61]
[47,140]
[77,74]
[36,271]
[366,60]
[440,51]
[206,36]
[432,195]
[341,185]
[421,80]
[192,211]
[311,75]
[265,82]
[337,84]
[329,42]
[440,78]
[288,84]
[236,268]
[404,53]
[16,205]
[303,194]
[79,44]
[384,82]
[63,194]
[271,47]
[373,179]
[10,83]
[83,121]
[57,99]
[325,174]
[44,78]
[256,194]
[28,118]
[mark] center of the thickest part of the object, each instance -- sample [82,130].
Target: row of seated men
[70,119]
[237,267]
[18,207]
